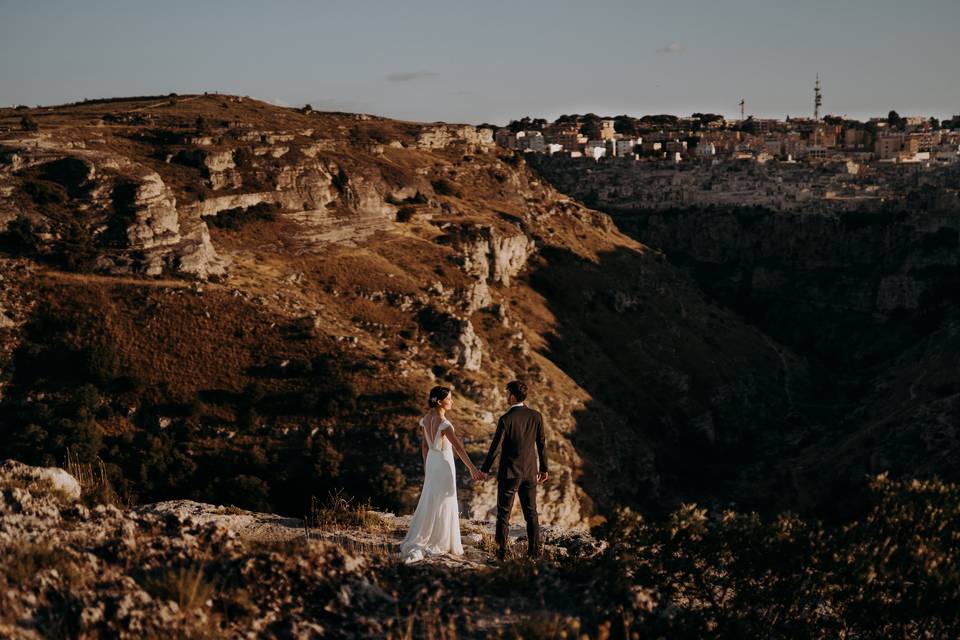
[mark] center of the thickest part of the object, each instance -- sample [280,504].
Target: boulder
[37,478]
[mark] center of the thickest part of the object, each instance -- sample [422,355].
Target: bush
[341,180]
[893,573]
[28,124]
[405,214]
[43,193]
[239,216]
[443,187]
[22,235]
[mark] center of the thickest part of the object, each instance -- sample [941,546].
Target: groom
[520,429]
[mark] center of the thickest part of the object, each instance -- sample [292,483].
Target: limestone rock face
[468,350]
[454,336]
[5,321]
[153,212]
[130,213]
[39,478]
[497,258]
[441,137]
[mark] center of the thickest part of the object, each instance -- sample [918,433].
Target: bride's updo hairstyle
[437,395]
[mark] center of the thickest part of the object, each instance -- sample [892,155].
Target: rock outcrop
[133,216]
[183,568]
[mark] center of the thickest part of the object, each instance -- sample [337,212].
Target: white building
[594,151]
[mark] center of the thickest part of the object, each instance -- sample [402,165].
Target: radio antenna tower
[817,99]
[741,108]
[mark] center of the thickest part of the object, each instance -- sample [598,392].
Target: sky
[493,61]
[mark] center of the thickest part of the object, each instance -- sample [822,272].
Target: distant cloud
[673,47]
[407,76]
[277,102]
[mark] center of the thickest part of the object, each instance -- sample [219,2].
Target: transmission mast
[817,99]
[742,103]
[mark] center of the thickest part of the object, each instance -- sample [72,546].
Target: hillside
[224,299]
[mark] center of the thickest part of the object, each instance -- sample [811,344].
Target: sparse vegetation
[189,586]
[406,213]
[444,187]
[340,511]
[238,217]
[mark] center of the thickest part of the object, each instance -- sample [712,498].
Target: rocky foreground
[187,569]
[70,568]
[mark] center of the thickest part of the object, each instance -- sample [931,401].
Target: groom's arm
[541,446]
[492,454]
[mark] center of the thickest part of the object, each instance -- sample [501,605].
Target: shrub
[43,193]
[28,124]
[22,235]
[443,187]
[893,573]
[239,216]
[405,214]
[188,586]
[245,491]
[341,180]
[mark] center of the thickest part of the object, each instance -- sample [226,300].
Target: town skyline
[461,62]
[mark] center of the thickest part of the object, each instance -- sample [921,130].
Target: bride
[435,527]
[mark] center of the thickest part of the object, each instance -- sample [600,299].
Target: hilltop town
[814,164]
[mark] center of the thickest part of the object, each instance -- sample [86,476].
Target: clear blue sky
[494,60]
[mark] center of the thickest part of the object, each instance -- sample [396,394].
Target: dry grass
[95,486]
[425,620]
[20,563]
[188,586]
[340,512]
[546,625]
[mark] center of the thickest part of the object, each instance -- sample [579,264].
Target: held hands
[477,475]
[542,477]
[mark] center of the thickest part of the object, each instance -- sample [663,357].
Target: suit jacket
[520,430]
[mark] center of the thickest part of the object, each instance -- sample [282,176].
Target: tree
[28,124]
[894,120]
[201,124]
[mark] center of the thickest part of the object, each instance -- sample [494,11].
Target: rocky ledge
[187,569]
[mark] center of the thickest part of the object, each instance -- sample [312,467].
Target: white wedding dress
[435,526]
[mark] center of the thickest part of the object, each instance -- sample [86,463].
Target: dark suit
[520,430]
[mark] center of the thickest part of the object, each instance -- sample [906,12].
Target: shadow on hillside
[683,397]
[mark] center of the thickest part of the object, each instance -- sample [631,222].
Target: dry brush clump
[891,573]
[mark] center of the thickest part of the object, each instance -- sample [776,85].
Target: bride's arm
[451,435]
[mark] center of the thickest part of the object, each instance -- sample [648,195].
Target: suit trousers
[506,488]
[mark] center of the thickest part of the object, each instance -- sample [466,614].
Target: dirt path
[91,278]
[167,101]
